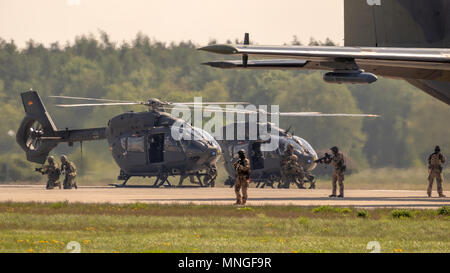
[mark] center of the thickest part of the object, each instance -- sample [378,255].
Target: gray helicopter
[140,142]
[265,165]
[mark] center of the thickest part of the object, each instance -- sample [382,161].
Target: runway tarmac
[223,196]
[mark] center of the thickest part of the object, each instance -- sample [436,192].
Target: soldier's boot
[75,185]
[442,195]
[238,202]
[312,186]
[49,186]
[300,185]
[341,195]
[332,195]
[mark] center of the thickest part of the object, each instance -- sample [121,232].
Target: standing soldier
[70,172]
[435,162]
[242,167]
[52,171]
[290,169]
[337,159]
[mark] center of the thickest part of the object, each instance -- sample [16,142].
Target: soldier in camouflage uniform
[242,167]
[290,169]
[435,162]
[70,172]
[337,159]
[52,171]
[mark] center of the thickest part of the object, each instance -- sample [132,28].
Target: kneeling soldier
[52,171]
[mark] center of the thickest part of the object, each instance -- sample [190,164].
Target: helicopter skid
[162,180]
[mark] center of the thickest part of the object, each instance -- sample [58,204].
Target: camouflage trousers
[51,183]
[241,184]
[291,177]
[435,174]
[338,176]
[69,182]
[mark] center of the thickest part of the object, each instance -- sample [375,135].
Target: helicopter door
[256,156]
[173,150]
[134,157]
[156,148]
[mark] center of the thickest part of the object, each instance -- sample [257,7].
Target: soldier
[70,172]
[337,159]
[242,167]
[52,171]
[290,169]
[435,162]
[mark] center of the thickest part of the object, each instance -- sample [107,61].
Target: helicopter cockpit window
[306,146]
[135,144]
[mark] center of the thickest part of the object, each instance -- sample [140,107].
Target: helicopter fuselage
[266,163]
[142,145]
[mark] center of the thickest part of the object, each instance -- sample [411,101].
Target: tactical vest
[436,161]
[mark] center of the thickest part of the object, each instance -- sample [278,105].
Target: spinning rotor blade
[224,110]
[318,114]
[210,103]
[101,104]
[81,98]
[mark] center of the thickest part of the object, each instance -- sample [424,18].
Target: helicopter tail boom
[38,135]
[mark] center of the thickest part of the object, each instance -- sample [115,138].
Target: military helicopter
[265,165]
[140,142]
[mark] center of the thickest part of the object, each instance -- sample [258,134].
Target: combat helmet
[241,153]
[334,149]
[437,149]
[50,159]
[63,158]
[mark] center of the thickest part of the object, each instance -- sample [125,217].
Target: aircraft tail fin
[397,23]
[37,129]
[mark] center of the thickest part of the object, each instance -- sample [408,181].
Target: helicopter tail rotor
[36,134]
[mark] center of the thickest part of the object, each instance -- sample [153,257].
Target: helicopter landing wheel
[161,180]
[271,181]
[210,177]
[311,179]
[229,181]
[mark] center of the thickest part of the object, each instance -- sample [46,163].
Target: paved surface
[223,196]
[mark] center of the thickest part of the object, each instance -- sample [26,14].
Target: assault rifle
[322,159]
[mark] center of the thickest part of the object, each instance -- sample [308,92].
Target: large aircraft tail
[397,23]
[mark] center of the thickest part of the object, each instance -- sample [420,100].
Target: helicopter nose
[213,152]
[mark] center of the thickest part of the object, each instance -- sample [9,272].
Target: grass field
[49,227]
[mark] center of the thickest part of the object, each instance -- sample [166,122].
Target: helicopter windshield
[308,148]
[212,141]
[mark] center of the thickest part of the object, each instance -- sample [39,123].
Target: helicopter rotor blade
[210,103]
[100,104]
[82,98]
[318,114]
[224,110]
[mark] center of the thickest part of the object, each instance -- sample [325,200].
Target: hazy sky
[269,22]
